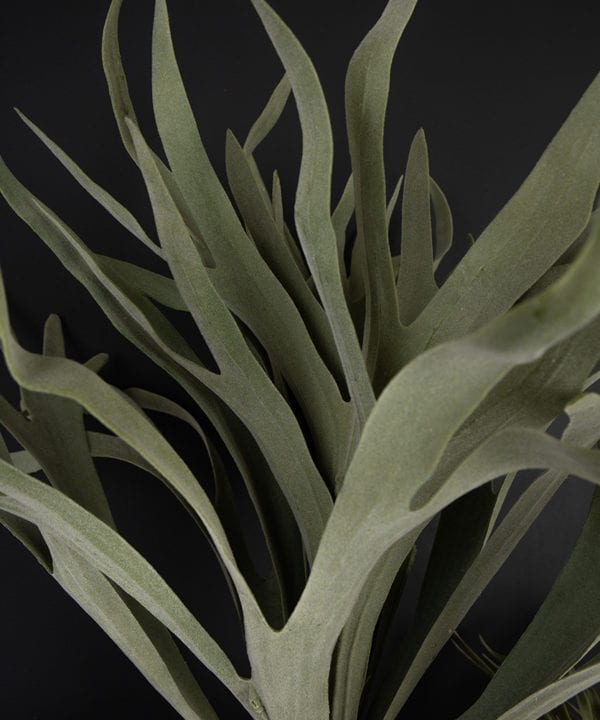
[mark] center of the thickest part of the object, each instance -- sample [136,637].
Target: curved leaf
[269,116]
[367,89]
[249,391]
[241,277]
[313,198]
[406,419]
[261,223]
[109,553]
[70,380]
[144,640]
[550,697]
[542,219]
[444,228]
[582,430]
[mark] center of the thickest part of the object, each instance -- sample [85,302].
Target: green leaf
[269,116]
[313,198]
[141,323]
[544,700]
[367,89]
[501,497]
[358,256]
[50,424]
[115,75]
[241,277]
[261,128]
[543,655]
[55,424]
[393,201]
[405,419]
[546,214]
[259,131]
[241,381]
[144,640]
[416,285]
[110,554]
[225,502]
[277,204]
[118,211]
[260,222]
[354,647]
[123,110]
[529,396]
[153,285]
[582,430]
[27,533]
[70,380]
[443,228]
[340,219]
[55,435]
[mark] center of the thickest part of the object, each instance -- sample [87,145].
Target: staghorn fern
[358,400]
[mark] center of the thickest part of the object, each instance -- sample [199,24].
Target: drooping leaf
[529,396]
[70,380]
[582,431]
[225,502]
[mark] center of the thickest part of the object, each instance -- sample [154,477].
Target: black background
[490,82]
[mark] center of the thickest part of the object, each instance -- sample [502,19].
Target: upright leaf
[241,277]
[367,89]
[416,285]
[313,198]
[534,228]
[406,419]
[249,391]
[444,228]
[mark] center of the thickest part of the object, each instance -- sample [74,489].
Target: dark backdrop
[490,82]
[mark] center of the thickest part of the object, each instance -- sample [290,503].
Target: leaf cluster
[359,397]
